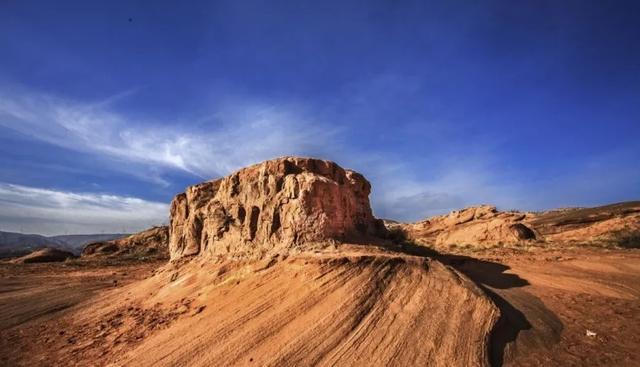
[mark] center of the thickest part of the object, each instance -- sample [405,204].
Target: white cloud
[237,135]
[51,212]
[234,137]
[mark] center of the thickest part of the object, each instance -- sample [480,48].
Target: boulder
[486,232]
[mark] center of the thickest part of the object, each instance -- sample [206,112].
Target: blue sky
[108,110]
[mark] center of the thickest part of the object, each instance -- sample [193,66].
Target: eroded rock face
[609,225]
[273,206]
[476,226]
[150,243]
[482,226]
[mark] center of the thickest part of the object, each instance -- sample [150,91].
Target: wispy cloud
[50,212]
[229,139]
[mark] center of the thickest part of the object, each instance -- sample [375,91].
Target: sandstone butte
[282,263]
[275,206]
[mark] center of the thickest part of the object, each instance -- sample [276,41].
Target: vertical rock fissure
[253,221]
[241,215]
[275,224]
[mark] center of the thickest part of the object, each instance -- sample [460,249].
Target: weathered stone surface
[484,226]
[274,206]
[609,225]
[477,226]
[150,243]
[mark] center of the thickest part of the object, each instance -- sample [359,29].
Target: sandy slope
[360,309]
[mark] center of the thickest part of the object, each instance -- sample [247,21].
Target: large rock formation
[275,206]
[151,243]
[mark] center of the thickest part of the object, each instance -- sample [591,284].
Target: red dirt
[551,297]
[353,308]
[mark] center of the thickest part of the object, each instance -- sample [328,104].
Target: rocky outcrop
[45,255]
[485,226]
[152,243]
[615,224]
[275,206]
[477,226]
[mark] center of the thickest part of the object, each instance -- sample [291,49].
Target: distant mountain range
[19,244]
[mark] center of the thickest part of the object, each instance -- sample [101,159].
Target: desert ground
[548,299]
[38,303]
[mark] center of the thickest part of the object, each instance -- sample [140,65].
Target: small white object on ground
[591,333]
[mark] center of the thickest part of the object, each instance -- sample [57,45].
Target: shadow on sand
[487,275]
